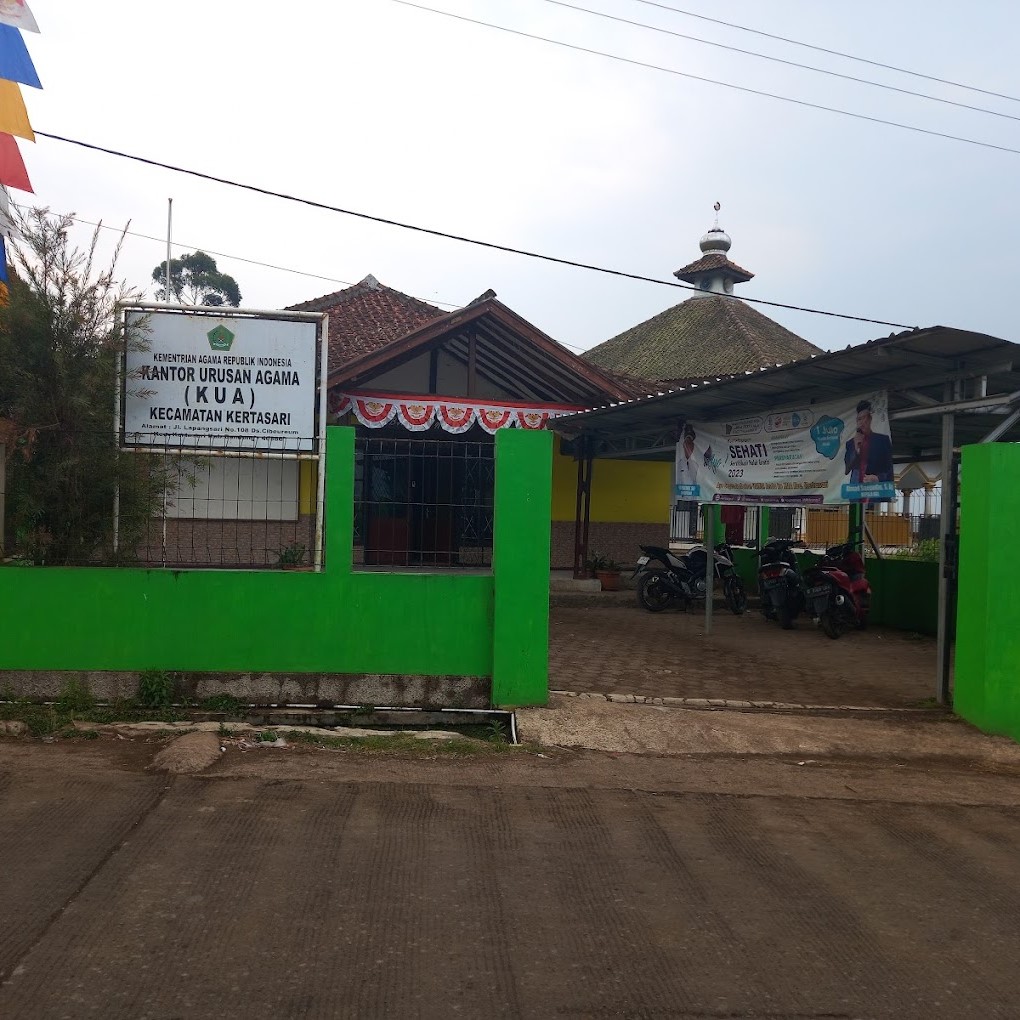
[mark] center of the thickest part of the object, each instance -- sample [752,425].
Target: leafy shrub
[927,549]
[156,688]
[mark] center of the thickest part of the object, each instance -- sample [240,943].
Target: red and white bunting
[374,413]
[492,419]
[416,417]
[455,417]
[532,419]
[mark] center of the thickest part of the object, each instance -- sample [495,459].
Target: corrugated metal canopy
[919,368]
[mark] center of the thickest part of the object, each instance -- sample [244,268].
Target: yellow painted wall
[307,482]
[622,490]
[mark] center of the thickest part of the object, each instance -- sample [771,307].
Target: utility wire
[780,60]
[254,262]
[710,81]
[832,53]
[491,245]
[236,258]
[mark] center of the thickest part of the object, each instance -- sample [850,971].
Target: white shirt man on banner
[687,465]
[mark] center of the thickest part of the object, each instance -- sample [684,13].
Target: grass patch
[76,697]
[70,733]
[225,703]
[43,720]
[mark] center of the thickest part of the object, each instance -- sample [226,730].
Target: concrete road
[314,884]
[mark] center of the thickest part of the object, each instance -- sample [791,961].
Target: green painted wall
[987,672]
[904,592]
[337,621]
[520,668]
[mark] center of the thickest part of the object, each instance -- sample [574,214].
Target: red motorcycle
[838,592]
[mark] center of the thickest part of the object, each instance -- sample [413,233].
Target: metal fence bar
[174,507]
[423,503]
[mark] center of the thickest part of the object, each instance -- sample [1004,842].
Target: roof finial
[716,207]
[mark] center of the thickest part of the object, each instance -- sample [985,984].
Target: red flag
[12,166]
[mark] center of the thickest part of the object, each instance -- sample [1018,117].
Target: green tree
[59,342]
[195,280]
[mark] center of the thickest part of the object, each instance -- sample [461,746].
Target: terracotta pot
[609,579]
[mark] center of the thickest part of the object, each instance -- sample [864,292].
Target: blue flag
[3,260]
[15,62]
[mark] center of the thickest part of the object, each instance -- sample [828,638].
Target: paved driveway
[621,648]
[340,886]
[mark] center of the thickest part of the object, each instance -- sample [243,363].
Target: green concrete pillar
[987,687]
[520,567]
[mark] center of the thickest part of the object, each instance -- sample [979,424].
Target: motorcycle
[671,578]
[839,591]
[780,584]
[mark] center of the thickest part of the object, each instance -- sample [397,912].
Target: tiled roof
[370,323]
[366,317]
[714,261]
[702,337]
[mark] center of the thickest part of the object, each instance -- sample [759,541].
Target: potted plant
[291,557]
[606,570]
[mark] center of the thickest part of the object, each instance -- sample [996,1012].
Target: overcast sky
[384,109]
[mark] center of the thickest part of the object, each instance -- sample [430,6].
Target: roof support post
[947,563]
[708,514]
[582,509]
[434,371]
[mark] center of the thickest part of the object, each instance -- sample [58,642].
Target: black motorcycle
[665,579]
[780,583]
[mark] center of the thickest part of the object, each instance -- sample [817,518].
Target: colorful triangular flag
[12,167]
[3,261]
[15,61]
[18,14]
[13,115]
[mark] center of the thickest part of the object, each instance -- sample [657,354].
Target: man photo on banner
[868,456]
[686,461]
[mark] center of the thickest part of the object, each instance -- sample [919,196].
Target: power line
[264,265]
[832,53]
[228,255]
[709,81]
[491,245]
[780,60]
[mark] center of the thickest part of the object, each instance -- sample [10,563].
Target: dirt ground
[623,649]
[297,883]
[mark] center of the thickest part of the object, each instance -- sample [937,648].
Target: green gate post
[520,567]
[987,688]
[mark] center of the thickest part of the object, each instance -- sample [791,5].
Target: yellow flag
[13,115]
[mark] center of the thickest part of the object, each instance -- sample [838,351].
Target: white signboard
[227,382]
[832,453]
